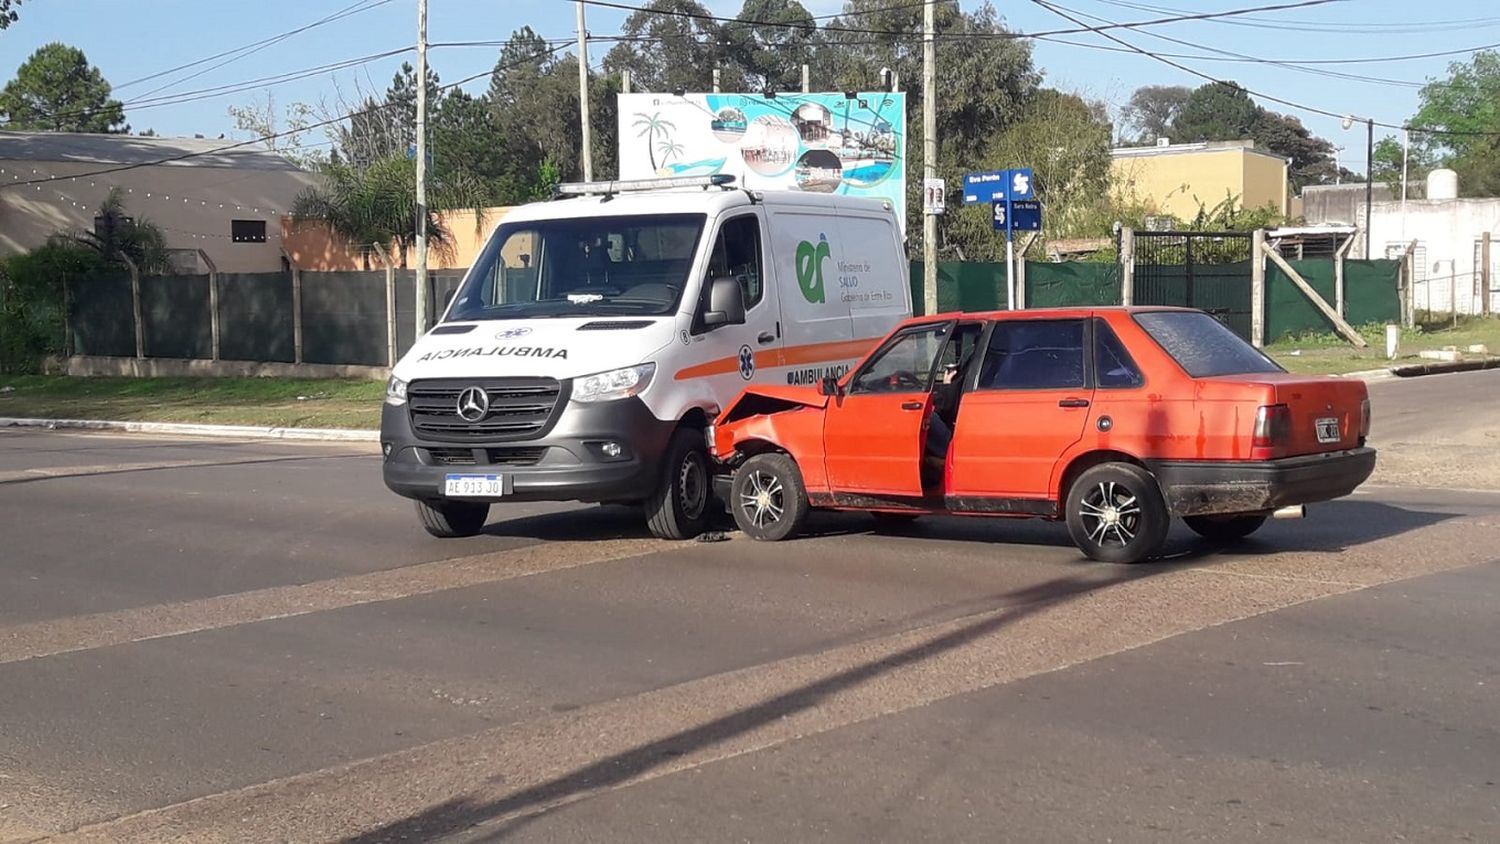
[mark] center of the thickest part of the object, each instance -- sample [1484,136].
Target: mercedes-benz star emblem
[473,404]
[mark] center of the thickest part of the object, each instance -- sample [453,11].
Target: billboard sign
[818,143]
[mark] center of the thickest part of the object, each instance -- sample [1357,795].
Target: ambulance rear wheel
[678,509]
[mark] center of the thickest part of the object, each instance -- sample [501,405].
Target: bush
[32,315]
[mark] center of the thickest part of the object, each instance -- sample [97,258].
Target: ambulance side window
[737,255]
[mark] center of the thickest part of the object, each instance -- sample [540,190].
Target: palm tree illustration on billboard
[657,133]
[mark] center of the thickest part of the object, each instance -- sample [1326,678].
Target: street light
[1349,121]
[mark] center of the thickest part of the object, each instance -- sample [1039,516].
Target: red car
[1113,419]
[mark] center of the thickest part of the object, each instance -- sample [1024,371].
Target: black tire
[451,519]
[678,507]
[1116,513]
[768,498]
[1225,528]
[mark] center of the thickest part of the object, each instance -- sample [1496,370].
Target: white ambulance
[598,334]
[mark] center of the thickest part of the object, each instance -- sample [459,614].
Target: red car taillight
[1364,420]
[1273,427]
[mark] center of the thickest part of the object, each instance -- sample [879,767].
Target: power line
[172,159]
[1370,28]
[1269,97]
[1289,65]
[248,49]
[975,35]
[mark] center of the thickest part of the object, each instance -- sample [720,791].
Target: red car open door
[873,435]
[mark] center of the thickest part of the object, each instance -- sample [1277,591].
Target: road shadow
[583,524]
[1330,527]
[66,474]
[463,814]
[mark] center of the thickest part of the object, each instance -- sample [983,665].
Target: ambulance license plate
[474,486]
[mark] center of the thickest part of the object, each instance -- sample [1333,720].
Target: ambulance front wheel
[678,509]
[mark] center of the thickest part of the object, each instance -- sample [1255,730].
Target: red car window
[1034,355]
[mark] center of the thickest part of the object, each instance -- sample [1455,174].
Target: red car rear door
[873,435]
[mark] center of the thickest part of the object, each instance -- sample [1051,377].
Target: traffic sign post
[1013,207]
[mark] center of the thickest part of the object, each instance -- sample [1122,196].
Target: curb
[1370,375]
[1418,369]
[195,430]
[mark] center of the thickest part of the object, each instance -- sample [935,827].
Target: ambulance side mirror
[726,304]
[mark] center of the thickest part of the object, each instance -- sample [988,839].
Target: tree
[1152,109]
[284,133]
[57,90]
[1311,157]
[1066,142]
[378,203]
[1217,111]
[674,44]
[1467,105]
[768,55]
[117,236]
[8,14]
[986,79]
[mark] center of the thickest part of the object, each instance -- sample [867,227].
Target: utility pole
[583,96]
[1369,184]
[929,155]
[421,300]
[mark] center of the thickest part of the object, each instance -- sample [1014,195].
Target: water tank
[1442,184]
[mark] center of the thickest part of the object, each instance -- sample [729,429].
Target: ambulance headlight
[395,391]
[614,384]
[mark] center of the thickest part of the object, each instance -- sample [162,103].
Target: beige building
[227,204]
[1178,179]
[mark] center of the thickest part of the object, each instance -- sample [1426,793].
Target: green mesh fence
[1371,295]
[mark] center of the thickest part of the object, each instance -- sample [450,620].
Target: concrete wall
[193,205]
[1445,272]
[1343,204]
[1177,182]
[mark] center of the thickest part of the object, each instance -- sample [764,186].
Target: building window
[247,231]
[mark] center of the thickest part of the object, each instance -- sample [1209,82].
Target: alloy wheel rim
[1111,514]
[763,499]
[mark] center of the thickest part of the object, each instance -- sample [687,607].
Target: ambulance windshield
[593,266]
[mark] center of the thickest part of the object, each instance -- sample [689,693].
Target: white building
[1446,235]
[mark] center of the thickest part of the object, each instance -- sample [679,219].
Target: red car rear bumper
[1200,488]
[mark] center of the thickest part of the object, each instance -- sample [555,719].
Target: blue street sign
[1001,215]
[991,185]
[1026,215]
[985,187]
[1018,184]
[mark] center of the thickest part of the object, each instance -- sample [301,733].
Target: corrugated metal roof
[133,149]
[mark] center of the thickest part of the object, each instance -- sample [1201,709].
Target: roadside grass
[1331,354]
[270,402]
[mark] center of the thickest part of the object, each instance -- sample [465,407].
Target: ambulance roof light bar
[610,188]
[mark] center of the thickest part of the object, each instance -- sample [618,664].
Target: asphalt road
[234,641]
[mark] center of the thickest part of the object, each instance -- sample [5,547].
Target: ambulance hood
[555,347]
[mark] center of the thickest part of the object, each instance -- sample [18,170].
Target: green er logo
[810,260]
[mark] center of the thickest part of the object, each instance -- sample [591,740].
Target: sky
[156,35]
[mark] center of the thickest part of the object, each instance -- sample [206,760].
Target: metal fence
[1210,271]
[339,318]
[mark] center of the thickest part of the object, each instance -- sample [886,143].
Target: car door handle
[1073,403]
[765,337]
[912,405]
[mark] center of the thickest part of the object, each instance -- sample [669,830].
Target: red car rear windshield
[1203,346]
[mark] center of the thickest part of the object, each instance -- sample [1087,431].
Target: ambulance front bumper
[606,452]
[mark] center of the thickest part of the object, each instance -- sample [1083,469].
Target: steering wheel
[902,379]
